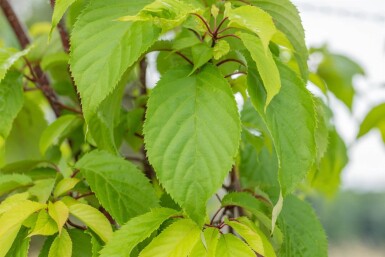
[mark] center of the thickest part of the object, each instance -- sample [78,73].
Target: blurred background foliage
[354,221]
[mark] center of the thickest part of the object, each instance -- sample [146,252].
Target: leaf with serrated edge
[176,240]
[61,246]
[120,186]
[8,57]
[134,232]
[231,246]
[253,19]
[290,119]
[10,222]
[59,213]
[97,70]
[192,150]
[61,7]
[20,245]
[11,95]
[265,64]
[287,19]
[253,236]
[303,233]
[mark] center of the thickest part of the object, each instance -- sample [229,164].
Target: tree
[126,170]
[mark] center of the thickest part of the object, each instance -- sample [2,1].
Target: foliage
[101,164]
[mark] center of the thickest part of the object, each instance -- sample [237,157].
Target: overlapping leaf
[192,150]
[290,118]
[120,186]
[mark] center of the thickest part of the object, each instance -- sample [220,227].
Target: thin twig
[230,60]
[204,22]
[75,225]
[228,35]
[84,195]
[178,53]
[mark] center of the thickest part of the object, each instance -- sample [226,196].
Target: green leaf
[338,72]
[61,246]
[20,245]
[303,233]
[12,201]
[327,177]
[290,118]
[287,20]
[46,246]
[245,200]
[44,225]
[59,213]
[42,189]
[97,70]
[9,57]
[192,150]
[176,240]
[120,186]
[10,222]
[166,14]
[91,217]
[64,186]
[231,246]
[253,236]
[135,231]
[59,129]
[265,64]
[375,119]
[61,7]
[11,182]
[201,54]
[221,49]
[11,101]
[253,19]
[209,246]
[81,243]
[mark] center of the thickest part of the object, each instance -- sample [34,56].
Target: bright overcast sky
[355,28]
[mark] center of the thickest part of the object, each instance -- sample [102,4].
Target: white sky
[355,28]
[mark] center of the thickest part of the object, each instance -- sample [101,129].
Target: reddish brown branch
[36,71]
[230,60]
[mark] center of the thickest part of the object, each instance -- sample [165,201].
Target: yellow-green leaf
[64,186]
[44,225]
[59,213]
[61,246]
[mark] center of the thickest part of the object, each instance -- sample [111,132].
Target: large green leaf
[192,150]
[81,243]
[11,101]
[59,213]
[8,57]
[291,120]
[374,119]
[10,222]
[253,19]
[102,49]
[287,19]
[177,240]
[256,239]
[119,185]
[231,246]
[265,64]
[338,72]
[303,233]
[135,231]
[61,246]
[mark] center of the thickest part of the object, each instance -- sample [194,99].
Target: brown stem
[75,225]
[228,35]
[216,32]
[235,184]
[230,60]
[22,37]
[107,215]
[204,22]
[84,195]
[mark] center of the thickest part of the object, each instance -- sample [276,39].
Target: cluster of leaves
[125,170]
